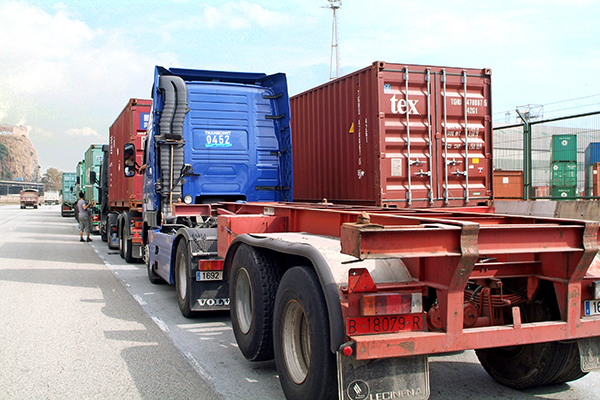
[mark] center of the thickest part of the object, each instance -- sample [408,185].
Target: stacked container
[563,166]
[592,167]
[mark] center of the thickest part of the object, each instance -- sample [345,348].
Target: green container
[563,192]
[564,173]
[92,163]
[564,148]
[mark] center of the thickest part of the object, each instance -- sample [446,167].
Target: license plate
[209,275]
[386,324]
[591,307]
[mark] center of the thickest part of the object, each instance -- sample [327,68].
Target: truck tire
[128,251]
[152,275]
[103,230]
[252,288]
[305,363]
[183,282]
[526,366]
[572,369]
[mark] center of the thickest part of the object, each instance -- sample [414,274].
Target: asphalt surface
[69,328]
[78,322]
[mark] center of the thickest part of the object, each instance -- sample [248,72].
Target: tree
[52,179]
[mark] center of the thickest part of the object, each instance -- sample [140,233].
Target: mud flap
[589,353]
[209,296]
[387,378]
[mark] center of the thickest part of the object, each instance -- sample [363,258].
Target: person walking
[85,224]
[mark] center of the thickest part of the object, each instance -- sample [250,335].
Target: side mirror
[93,177]
[129,159]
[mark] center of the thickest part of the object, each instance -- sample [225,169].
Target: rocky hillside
[18,158]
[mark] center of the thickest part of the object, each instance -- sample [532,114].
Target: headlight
[187,199]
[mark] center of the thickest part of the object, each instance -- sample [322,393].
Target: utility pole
[335,51]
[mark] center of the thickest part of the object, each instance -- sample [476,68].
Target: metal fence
[527,147]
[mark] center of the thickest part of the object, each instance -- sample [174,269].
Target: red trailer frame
[444,250]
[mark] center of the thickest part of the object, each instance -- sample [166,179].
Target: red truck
[29,198]
[121,207]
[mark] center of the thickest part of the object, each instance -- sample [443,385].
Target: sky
[68,68]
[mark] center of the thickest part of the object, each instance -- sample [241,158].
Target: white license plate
[209,275]
[591,307]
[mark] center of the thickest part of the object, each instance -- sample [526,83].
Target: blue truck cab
[213,136]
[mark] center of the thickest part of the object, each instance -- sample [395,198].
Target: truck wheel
[305,363]
[183,283]
[128,251]
[103,230]
[252,288]
[530,365]
[572,369]
[152,275]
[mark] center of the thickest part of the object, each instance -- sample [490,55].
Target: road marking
[251,380]
[139,300]
[163,327]
[196,365]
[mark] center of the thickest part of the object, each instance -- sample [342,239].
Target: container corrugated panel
[508,185]
[592,154]
[92,162]
[129,127]
[395,135]
[564,148]
[595,178]
[68,187]
[564,173]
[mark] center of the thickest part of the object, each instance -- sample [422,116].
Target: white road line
[139,300]
[196,365]
[163,327]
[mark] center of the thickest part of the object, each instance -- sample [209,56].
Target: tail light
[95,218]
[210,265]
[373,310]
[391,303]
[135,224]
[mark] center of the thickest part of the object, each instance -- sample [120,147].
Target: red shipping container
[129,127]
[395,135]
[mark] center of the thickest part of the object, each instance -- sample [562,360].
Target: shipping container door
[406,136]
[436,141]
[463,136]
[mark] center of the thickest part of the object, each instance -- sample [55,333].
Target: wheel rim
[181,277]
[295,341]
[243,301]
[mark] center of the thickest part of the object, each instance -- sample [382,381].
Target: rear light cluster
[136,224]
[95,218]
[210,265]
[391,304]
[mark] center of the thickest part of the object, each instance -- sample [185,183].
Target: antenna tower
[334,5]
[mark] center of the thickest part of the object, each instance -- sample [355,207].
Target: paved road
[79,322]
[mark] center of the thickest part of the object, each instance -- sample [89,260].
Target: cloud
[242,15]
[84,132]
[65,78]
